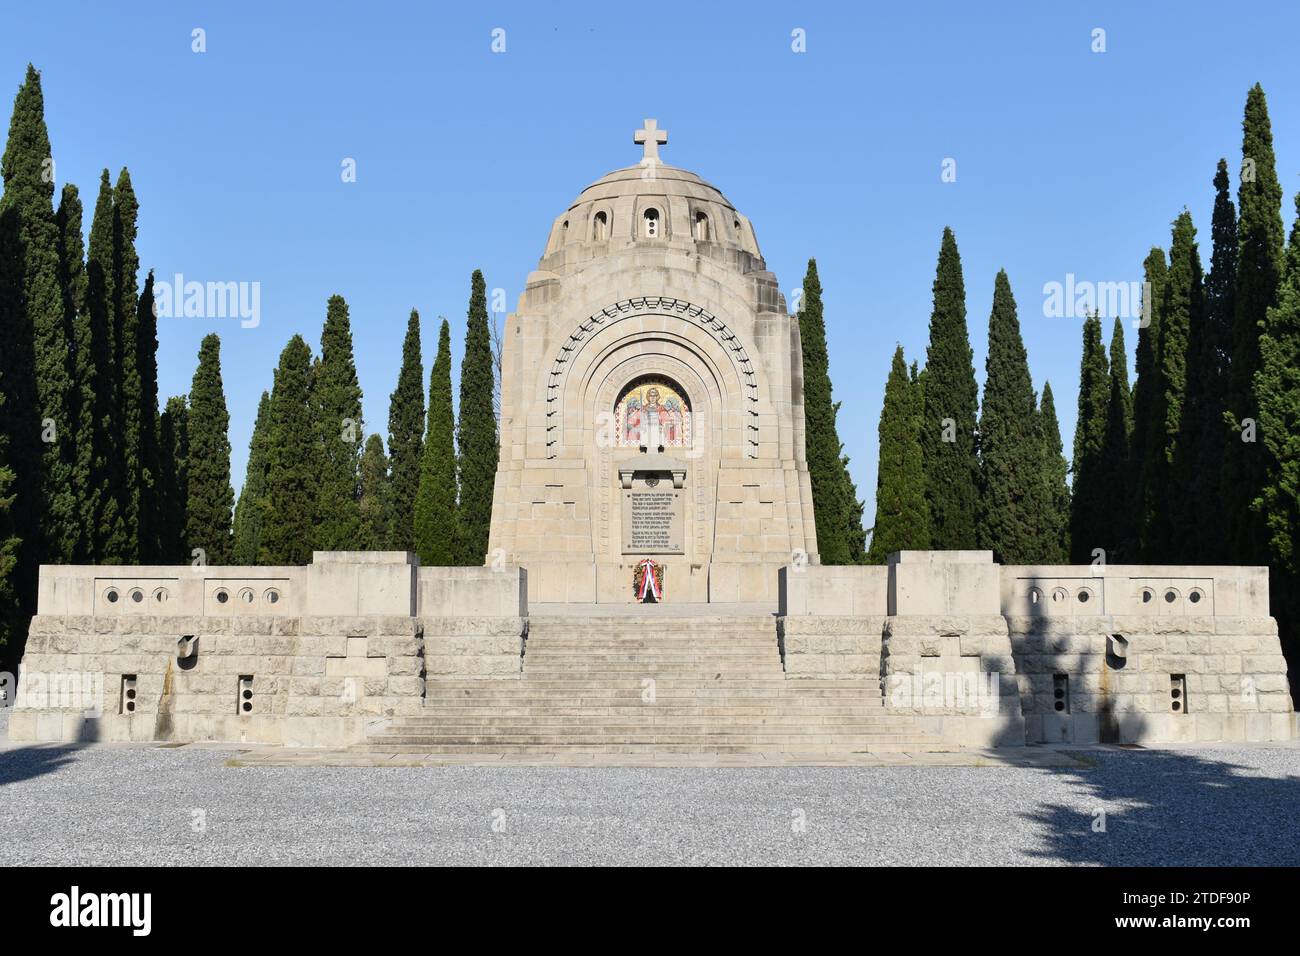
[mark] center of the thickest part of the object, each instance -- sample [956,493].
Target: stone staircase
[669,682]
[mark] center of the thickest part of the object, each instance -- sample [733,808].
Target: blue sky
[1068,161]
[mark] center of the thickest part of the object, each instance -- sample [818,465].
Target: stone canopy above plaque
[652,464]
[653,505]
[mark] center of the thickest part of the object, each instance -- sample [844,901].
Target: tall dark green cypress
[1200,373]
[99,433]
[1213,435]
[250,510]
[1055,519]
[1148,422]
[1260,237]
[336,394]
[1277,396]
[1114,473]
[210,498]
[72,281]
[830,493]
[1183,306]
[147,476]
[406,438]
[126,358]
[855,536]
[38,374]
[173,470]
[1087,506]
[375,519]
[951,400]
[434,519]
[902,515]
[1012,492]
[476,432]
[10,615]
[294,461]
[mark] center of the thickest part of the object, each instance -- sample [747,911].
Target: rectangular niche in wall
[128,693]
[1178,693]
[1061,693]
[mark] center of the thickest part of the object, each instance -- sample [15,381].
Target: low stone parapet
[310,656]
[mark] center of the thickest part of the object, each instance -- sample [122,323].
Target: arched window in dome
[702,227]
[653,412]
[651,217]
[600,227]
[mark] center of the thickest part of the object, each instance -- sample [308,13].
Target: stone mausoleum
[652,400]
[652,411]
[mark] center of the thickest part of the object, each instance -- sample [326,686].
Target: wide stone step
[758,652]
[620,731]
[720,708]
[715,696]
[652,751]
[660,671]
[772,740]
[666,623]
[438,721]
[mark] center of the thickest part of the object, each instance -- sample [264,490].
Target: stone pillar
[947,653]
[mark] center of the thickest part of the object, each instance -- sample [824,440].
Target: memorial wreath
[648,580]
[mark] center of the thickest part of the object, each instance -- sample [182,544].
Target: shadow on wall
[1172,808]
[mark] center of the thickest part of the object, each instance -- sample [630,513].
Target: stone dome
[649,205]
[662,179]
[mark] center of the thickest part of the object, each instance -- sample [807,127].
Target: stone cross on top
[651,137]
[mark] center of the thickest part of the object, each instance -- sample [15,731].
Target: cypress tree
[126,359]
[336,395]
[476,433]
[375,520]
[1259,268]
[855,537]
[1087,506]
[294,461]
[147,476]
[250,510]
[210,499]
[1182,360]
[902,515]
[9,543]
[1213,434]
[826,473]
[1148,443]
[435,502]
[173,484]
[1183,299]
[1012,492]
[1055,524]
[406,438]
[1277,396]
[72,282]
[38,373]
[1114,472]
[98,437]
[948,422]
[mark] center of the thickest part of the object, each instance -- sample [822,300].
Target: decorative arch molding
[706,393]
[632,308]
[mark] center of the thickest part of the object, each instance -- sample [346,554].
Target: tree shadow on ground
[1173,808]
[25,763]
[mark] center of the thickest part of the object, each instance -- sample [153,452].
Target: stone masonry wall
[983,654]
[311,656]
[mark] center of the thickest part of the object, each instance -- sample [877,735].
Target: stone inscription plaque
[652,521]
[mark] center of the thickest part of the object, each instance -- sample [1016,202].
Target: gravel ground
[150,805]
